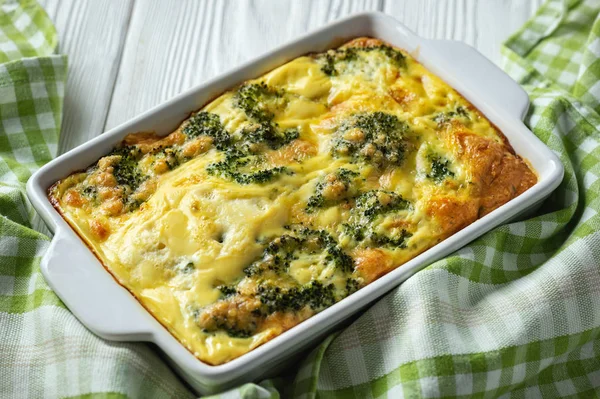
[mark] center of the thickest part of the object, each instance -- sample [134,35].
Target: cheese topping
[288,193]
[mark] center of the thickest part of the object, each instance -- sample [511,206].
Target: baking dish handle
[500,89]
[83,284]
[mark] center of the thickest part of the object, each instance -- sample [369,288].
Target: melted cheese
[369,158]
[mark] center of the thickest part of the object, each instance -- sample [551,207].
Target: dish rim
[37,186]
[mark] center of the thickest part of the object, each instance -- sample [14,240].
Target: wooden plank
[482,24]
[92,34]
[170,49]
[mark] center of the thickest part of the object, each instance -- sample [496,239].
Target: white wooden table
[126,56]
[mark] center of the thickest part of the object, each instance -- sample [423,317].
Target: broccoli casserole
[288,193]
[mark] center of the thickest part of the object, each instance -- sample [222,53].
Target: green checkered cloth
[514,313]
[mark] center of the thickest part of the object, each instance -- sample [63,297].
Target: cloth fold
[514,313]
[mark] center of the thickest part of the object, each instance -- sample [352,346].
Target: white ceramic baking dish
[110,311]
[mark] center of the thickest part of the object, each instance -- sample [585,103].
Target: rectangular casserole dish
[110,311]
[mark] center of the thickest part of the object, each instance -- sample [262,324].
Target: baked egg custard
[288,193]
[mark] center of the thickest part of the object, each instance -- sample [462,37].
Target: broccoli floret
[365,234]
[208,124]
[377,137]
[170,155]
[461,111]
[126,170]
[230,327]
[378,202]
[352,285]
[354,230]
[282,250]
[277,256]
[328,64]
[254,99]
[128,175]
[316,200]
[276,299]
[342,260]
[398,241]
[315,294]
[90,192]
[331,190]
[258,100]
[220,317]
[228,169]
[266,133]
[244,169]
[333,58]
[396,56]
[335,253]
[439,169]
[445,117]
[227,290]
[260,176]
[318,296]
[236,332]
[362,226]
[187,269]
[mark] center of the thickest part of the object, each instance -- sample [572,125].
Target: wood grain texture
[92,34]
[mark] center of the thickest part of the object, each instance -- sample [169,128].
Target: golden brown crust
[150,141]
[236,313]
[365,42]
[510,177]
[240,315]
[452,214]
[98,229]
[499,175]
[280,321]
[196,147]
[403,97]
[295,151]
[73,198]
[372,263]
